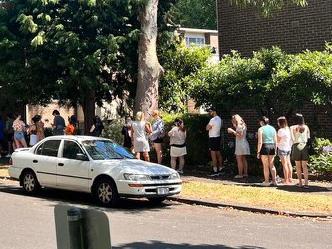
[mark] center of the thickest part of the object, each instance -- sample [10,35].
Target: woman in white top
[140,129]
[284,145]
[178,136]
[300,135]
[241,145]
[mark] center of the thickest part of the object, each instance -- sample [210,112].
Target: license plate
[162,191]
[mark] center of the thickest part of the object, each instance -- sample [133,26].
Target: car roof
[76,138]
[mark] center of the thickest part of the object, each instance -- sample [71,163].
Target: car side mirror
[82,157]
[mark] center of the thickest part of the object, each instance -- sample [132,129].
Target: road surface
[28,223]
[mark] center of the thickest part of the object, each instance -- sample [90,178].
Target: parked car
[95,165]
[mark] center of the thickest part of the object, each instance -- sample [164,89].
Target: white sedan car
[95,165]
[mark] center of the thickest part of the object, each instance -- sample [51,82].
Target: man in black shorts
[214,127]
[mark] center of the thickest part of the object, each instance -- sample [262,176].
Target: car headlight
[174,176]
[136,177]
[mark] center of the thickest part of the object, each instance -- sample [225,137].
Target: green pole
[76,229]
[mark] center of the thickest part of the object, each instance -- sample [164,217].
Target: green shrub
[321,162]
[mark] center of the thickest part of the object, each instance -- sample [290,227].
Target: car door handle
[60,164]
[35,161]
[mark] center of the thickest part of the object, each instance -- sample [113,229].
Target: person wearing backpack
[157,135]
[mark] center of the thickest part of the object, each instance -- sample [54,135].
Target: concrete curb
[248,208]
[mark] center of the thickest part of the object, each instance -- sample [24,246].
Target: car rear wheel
[106,193]
[30,183]
[157,200]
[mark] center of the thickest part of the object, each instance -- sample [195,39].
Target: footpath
[250,195]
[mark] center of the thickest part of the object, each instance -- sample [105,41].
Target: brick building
[294,29]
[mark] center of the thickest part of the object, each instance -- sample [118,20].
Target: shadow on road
[74,198]
[163,245]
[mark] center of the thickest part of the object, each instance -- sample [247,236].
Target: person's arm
[279,136]
[292,133]
[209,126]
[92,128]
[148,128]
[171,132]
[259,142]
[308,130]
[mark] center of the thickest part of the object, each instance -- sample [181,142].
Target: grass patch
[258,197]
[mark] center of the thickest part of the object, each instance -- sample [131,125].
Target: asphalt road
[28,223]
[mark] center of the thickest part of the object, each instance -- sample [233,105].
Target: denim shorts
[283,152]
[19,135]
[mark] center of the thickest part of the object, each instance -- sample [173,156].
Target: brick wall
[294,29]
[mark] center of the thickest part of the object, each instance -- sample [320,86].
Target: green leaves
[270,79]
[27,23]
[266,7]
[180,64]
[38,40]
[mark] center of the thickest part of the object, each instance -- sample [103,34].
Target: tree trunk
[149,69]
[89,110]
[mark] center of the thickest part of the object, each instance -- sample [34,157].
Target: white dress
[241,144]
[177,142]
[141,143]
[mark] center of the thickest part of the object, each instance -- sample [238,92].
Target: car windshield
[105,150]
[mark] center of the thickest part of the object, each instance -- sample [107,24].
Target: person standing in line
[97,127]
[157,135]
[32,131]
[300,154]
[2,135]
[39,128]
[242,148]
[284,144]
[71,127]
[214,127]
[9,132]
[58,123]
[140,128]
[126,132]
[19,129]
[266,150]
[178,136]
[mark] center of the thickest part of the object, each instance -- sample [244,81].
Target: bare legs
[242,165]
[20,143]
[268,166]
[159,151]
[216,160]
[287,168]
[181,163]
[302,165]
[145,156]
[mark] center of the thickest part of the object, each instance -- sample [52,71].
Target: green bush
[269,80]
[321,162]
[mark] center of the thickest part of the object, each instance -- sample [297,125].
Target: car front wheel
[106,193]
[30,183]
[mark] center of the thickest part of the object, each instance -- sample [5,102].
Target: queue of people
[15,133]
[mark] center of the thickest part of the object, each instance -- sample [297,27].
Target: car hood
[141,167]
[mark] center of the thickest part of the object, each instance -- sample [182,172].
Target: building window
[195,40]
